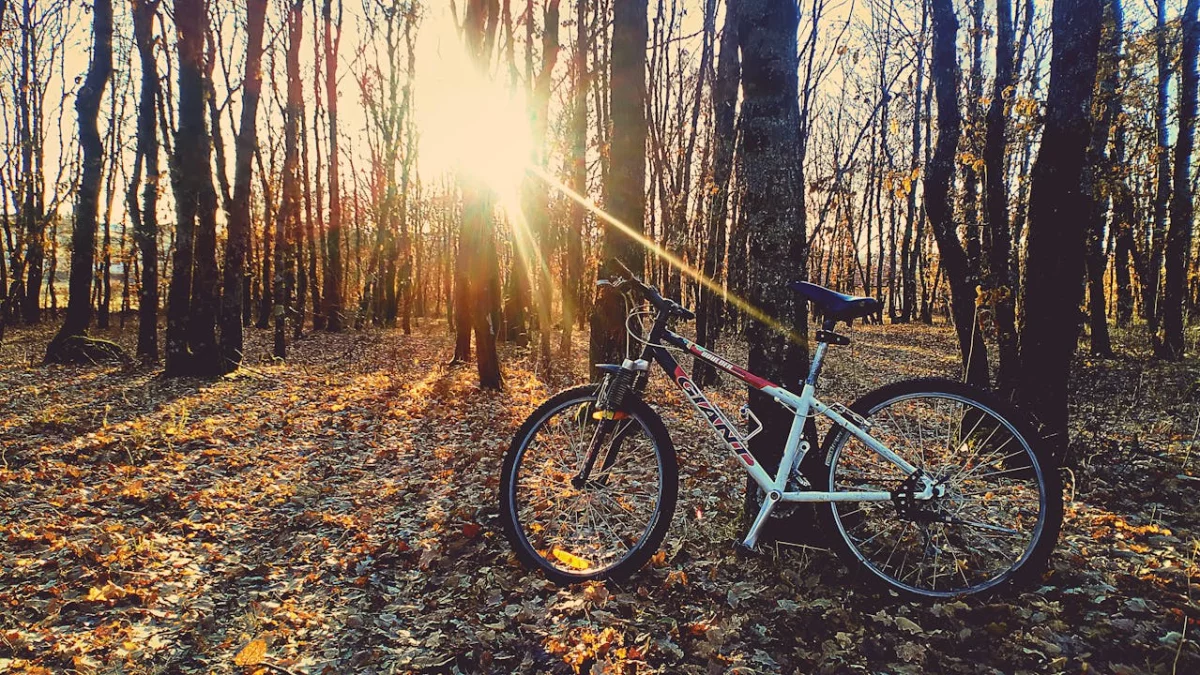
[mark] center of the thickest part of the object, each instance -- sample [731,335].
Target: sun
[468,121]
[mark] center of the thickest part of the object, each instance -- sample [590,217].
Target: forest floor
[336,513]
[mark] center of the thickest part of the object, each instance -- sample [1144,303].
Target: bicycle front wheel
[998,509]
[607,526]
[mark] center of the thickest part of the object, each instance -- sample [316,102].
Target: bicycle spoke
[981,523]
[599,523]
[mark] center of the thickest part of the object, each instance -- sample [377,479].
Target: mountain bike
[930,487]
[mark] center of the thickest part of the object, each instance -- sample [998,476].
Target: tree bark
[145,219]
[625,182]
[1179,236]
[939,181]
[773,208]
[83,234]
[289,207]
[1058,215]
[724,101]
[999,234]
[1098,175]
[192,300]
[1151,280]
[572,290]
[233,300]
[334,274]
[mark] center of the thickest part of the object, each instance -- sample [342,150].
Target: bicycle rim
[975,537]
[589,530]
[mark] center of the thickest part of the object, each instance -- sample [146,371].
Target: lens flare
[470,122]
[742,304]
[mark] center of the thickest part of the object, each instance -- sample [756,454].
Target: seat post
[825,337]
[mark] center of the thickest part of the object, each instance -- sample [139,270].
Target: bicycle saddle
[837,306]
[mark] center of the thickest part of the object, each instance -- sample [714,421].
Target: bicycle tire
[1031,463]
[659,522]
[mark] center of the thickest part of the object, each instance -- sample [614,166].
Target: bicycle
[932,487]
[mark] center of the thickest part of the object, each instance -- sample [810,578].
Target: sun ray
[670,258]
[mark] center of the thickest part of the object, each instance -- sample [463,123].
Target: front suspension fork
[610,411]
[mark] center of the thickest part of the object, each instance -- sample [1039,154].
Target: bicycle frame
[795,448]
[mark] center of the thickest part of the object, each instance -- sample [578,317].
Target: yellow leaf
[571,560]
[252,654]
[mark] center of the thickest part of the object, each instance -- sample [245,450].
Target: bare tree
[724,101]
[234,298]
[773,207]
[939,179]
[334,273]
[70,343]
[1058,215]
[145,217]
[624,187]
[1179,236]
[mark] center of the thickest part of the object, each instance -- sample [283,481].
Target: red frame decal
[713,414]
[737,371]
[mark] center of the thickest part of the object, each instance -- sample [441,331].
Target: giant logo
[714,416]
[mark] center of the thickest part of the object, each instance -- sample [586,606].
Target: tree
[939,181]
[289,207]
[145,218]
[773,208]
[1097,175]
[192,297]
[66,345]
[1151,271]
[573,264]
[724,101]
[999,235]
[625,181]
[477,276]
[334,274]
[234,299]
[1058,215]
[1179,236]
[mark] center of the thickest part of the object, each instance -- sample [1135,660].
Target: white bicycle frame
[775,487]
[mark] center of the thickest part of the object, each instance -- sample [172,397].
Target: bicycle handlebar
[649,292]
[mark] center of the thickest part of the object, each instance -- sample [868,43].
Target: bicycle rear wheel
[609,526]
[1001,511]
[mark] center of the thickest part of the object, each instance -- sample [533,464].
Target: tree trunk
[83,234]
[773,208]
[1152,278]
[145,219]
[624,188]
[1179,236]
[999,235]
[1058,215]
[477,239]
[912,234]
[1098,175]
[289,207]
[724,101]
[192,301]
[234,299]
[939,181]
[572,290]
[334,274]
